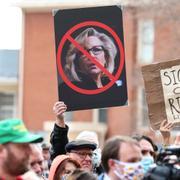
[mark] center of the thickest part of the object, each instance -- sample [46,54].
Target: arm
[177,139]
[58,137]
[165,129]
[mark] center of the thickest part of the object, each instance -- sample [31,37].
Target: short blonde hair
[72,54]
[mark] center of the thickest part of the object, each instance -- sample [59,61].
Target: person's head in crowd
[15,148]
[36,159]
[45,151]
[92,137]
[121,158]
[61,166]
[98,45]
[82,151]
[148,149]
[80,174]
[46,155]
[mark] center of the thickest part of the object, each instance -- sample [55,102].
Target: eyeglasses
[83,155]
[95,50]
[144,152]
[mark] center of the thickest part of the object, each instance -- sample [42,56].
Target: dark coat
[58,140]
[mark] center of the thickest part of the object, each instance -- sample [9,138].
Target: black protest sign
[90,57]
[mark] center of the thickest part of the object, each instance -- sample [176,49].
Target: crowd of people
[25,156]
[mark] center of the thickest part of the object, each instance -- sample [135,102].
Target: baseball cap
[14,130]
[80,144]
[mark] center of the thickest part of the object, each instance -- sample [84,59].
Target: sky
[10,26]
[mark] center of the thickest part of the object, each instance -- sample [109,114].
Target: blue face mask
[62,178]
[147,162]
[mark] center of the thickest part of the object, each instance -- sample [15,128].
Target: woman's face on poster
[94,46]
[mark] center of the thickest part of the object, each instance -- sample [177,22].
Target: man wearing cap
[15,148]
[80,150]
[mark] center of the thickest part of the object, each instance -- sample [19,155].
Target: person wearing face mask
[59,138]
[121,159]
[148,149]
[96,157]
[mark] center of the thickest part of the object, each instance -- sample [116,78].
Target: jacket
[58,140]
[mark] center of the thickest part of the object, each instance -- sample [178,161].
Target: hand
[59,108]
[165,129]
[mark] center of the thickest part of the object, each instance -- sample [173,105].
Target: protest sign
[90,57]
[162,88]
[170,78]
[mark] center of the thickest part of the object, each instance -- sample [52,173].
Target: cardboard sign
[161,81]
[90,57]
[171,87]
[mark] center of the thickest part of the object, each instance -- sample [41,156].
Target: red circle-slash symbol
[67,36]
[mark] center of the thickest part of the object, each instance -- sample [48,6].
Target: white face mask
[129,171]
[96,158]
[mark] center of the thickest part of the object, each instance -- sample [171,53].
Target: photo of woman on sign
[85,74]
[80,69]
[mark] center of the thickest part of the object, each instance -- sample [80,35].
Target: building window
[7,105]
[103,115]
[9,62]
[142,108]
[145,41]
[99,115]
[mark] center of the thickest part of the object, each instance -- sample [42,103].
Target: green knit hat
[14,130]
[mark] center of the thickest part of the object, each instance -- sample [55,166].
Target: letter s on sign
[166,74]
